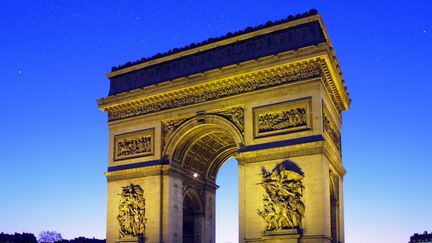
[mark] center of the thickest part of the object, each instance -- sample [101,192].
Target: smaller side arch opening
[192,216]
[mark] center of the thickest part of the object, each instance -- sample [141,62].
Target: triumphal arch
[271,96]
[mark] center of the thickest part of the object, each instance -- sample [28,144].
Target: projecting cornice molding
[282,54]
[215,42]
[226,87]
[280,38]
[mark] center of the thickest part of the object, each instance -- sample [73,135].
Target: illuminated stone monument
[271,96]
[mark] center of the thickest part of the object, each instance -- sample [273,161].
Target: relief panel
[134,144]
[286,117]
[131,212]
[283,207]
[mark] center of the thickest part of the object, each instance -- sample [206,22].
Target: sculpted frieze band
[220,89]
[284,117]
[134,144]
[282,120]
[330,129]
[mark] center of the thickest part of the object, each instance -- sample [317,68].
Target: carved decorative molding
[291,116]
[134,144]
[169,127]
[331,129]
[216,90]
[283,206]
[233,114]
[131,212]
[330,86]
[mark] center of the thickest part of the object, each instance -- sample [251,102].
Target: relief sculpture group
[283,207]
[282,120]
[134,146]
[131,216]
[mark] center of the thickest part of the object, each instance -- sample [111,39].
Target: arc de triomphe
[271,96]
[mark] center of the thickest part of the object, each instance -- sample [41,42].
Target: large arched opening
[192,216]
[227,211]
[197,150]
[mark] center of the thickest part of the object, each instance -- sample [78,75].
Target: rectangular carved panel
[286,117]
[134,144]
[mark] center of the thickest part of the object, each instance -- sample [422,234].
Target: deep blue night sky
[54,56]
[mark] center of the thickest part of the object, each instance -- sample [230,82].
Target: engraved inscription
[131,145]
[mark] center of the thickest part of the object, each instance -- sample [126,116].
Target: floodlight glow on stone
[200,121]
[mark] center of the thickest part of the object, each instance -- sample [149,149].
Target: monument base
[282,235]
[282,232]
[131,239]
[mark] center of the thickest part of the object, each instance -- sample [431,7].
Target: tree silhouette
[49,237]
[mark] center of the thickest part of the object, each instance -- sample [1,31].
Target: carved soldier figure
[131,215]
[283,208]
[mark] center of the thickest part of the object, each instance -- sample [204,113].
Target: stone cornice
[172,67]
[224,42]
[317,67]
[217,89]
[288,151]
[231,71]
[274,41]
[137,172]
[151,92]
[336,84]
